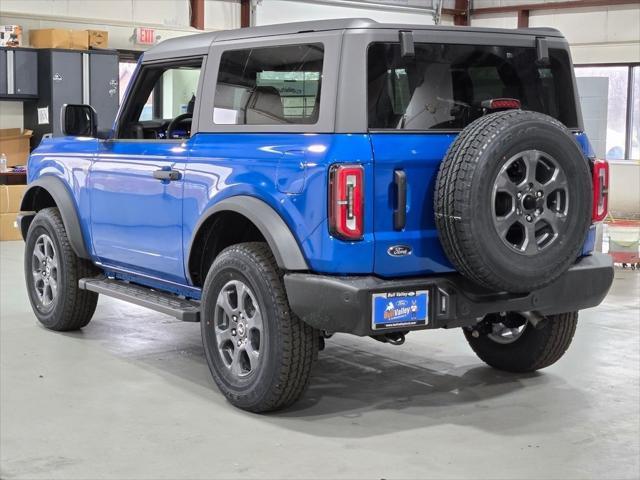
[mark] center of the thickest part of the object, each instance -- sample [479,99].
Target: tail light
[600,190]
[346,196]
[501,104]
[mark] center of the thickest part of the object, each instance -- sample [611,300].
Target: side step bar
[180,308]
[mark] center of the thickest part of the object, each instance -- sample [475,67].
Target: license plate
[400,309]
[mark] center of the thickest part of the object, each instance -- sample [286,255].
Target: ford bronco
[282,183]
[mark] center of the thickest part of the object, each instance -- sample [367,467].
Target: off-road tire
[291,345]
[535,349]
[72,308]
[462,200]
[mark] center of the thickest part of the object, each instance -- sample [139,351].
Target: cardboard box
[10,36]
[14,143]
[59,38]
[98,38]
[8,231]
[11,198]
[79,39]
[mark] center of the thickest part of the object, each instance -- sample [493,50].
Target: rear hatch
[417,105]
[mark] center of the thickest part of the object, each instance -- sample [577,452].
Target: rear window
[443,86]
[269,86]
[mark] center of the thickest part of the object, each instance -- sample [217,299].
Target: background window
[269,86]
[602,87]
[126,70]
[634,104]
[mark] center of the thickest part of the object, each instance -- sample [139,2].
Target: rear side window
[444,85]
[269,86]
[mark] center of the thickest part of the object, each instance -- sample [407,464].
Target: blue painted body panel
[136,220]
[139,228]
[267,166]
[70,160]
[419,155]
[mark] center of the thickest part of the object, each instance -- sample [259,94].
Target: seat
[265,107]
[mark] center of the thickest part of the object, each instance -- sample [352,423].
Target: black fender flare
[66,204]
[273,228]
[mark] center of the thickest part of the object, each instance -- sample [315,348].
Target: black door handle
[400,213]
[167,175]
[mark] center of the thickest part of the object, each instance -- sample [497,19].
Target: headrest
[191,104]
[265,107]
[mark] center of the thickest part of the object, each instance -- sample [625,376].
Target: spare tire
[513,201]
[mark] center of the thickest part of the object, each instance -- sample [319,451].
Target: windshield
[443,86]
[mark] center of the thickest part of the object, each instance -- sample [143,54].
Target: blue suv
[279,184]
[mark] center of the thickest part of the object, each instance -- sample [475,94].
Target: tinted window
[443,86]
[269,86]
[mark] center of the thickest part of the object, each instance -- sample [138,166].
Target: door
[26,72]
[417,105]
[66,84]
[103,86]
[136,181]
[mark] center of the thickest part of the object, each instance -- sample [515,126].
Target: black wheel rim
[44,271]
[238,327]
[505,334]
[530,202]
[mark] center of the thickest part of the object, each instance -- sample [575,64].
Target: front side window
[269,86]
[443,86]
[162,101]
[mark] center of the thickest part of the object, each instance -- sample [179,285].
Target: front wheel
[259,353]
[52,271]
[511,343]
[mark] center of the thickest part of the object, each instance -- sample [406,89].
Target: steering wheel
[177,121]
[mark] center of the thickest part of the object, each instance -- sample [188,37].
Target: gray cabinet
[25,73]
[103,87]
[3,72]
[18,73]
[72,76]
[64,85]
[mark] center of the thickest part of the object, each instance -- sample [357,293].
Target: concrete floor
[130,396]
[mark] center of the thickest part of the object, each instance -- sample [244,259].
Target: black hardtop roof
[199,44]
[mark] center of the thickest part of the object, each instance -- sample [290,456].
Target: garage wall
[268,12]
[11,115]
[608,34]
[624,198]
[170,18]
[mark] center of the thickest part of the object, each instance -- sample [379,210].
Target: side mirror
[79,120]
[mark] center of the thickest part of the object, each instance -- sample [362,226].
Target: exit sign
[145,36]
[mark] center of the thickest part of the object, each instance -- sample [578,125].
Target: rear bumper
[343,304]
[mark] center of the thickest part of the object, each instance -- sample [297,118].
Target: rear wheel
[511,343]
[259,353]
[52,270]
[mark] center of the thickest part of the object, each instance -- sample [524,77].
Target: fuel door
[292,171]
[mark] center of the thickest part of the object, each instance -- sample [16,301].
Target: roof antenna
[407,48]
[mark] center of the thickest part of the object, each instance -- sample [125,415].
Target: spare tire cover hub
[530,202]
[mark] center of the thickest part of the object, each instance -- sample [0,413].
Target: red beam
[553,6]
[197,14]
[523,18]
[462,18]
[245,13]
[453,11]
